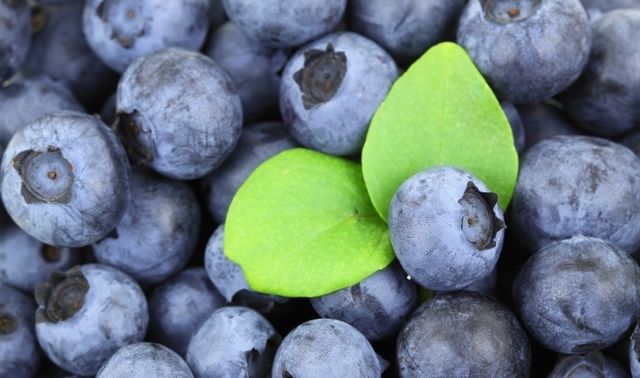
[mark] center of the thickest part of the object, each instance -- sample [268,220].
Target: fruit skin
[634,352]
[281,23]
[461,334]
[141,360]
[543,121]
[158,232]
[26,99]
[257,143]
[85,150]
[179,113]
[604,99]
[578,295]
[405,28]
[596,8]
[360,75]
[377,306]
[253,68]
[632,142]
[233,342]
[592,190]
[119,32]
[19,352]
[426,220]
[526,58]
[325,348]
[15,36]
[593,364]
[24,261]
[113,313]
[228,278]
[179,306]
[60,50]
[517,127]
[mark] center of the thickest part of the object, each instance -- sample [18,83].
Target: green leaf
[302,225]
[440,112]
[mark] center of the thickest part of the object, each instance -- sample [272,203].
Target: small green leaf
[440,112]
[302,225]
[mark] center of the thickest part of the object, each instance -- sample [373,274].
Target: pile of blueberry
[128,126]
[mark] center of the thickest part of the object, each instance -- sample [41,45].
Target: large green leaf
[440,112]
[302,225]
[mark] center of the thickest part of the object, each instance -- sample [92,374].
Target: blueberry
[159,230]
[179,113]
[463,334]
[486,285]
[15,36]
[24,100]
[330,90]
[60,50]
[228,277]
[65,179]
[119,31]
[593,189]
[517,127]
[257,143]
[24,261]
[446,228]
[578,295]
[634,352]
[233,342]
[142,360]
[253,68]
[325,348]
[281,23]
[594,364]
[604,99]
[543,121]
[632,142]
[88,313]
[377,306]
[528,50]
[596,8]
[406,29]
[19,352]
[179,306]
[217,16]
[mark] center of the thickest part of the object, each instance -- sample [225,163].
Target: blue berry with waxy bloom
[377,306]
[159,230]
[60,50]
[20,355]
[544,121]
[15,36]
[331,88]
[86,314]
[596,8]
[528,50]
[446,228]
[325,348]
[594,364]
[257,143]
[517,127]
[24,261]
[142,360]
[604,100]
[405,28]
[65,179]
[578,295]
[281,23]
[179,306]
[593,189]
[634,352]
[228,277]
[28,98]
[179,113]
[233,342]
[120,31]
[463,334]
[253,68]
